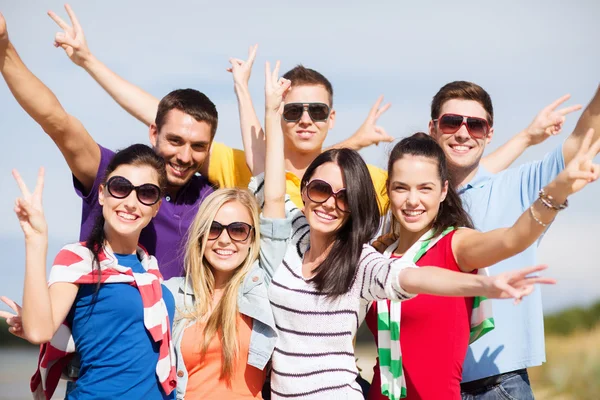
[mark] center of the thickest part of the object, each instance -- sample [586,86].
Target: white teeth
[222,252]
[325,216]
[461,148]
[178,168]
[413,213]
[126,216]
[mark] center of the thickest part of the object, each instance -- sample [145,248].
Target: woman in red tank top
[434,331]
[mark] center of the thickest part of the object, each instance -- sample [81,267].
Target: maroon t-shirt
[434,336]
[164,237]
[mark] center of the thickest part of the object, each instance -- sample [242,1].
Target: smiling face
[463,153]
[325,218]
[126,217]
[306,135]
[184,143]
[224,254]
[416,192]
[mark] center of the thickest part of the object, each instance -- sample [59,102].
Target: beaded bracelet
[549,202]
[536,219]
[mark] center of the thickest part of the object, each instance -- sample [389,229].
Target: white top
[314,354]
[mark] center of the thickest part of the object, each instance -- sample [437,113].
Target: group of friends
[203,271]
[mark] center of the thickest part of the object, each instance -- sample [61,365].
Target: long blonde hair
[223,319]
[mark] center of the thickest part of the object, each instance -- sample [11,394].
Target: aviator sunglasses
[120,187]
[478,128]
[319,191]
[237,231]
[292,112]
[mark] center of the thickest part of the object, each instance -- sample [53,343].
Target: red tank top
[434,336]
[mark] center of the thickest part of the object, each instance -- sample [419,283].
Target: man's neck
[297,162]
[462,176]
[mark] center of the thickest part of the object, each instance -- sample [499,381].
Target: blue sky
[524,55]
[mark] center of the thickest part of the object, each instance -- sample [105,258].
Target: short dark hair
[451,212]
[334,276]
[191,102]
[465,91]
[302,76]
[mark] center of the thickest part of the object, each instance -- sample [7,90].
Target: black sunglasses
[237,231]
[292,112]
[320,191]
[120,187]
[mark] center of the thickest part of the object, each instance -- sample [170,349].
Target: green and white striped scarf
[393,383]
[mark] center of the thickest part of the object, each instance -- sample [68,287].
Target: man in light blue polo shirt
[462,123]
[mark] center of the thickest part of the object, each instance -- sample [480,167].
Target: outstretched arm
[590,119]
[44,309]
[133,99]
[442,282]
[547,123]
[75,143]
[369,132]
[275,90]
[474,249]
[253,137]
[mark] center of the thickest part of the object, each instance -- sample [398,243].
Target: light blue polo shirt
[497,201]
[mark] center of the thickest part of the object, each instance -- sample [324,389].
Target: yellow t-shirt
[228,168]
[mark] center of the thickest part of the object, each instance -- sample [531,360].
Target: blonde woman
[224,331]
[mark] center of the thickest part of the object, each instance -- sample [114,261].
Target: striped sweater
[314,354]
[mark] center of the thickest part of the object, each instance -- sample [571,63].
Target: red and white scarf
[74,264]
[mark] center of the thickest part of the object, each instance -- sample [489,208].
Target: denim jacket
[252,299]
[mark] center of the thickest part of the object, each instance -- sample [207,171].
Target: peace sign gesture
[15,325]
[72,39]
[515,284]
[581,170]
[369,132]
[549,121]
[29,208]
[275,88]
[241,69]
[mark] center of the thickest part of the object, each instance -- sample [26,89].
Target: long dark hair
[137,155]
[335,274]
[451,212]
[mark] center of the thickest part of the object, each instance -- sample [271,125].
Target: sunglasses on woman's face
[319,191]
[120,187]
[292,112]
[478,128]
[237,231]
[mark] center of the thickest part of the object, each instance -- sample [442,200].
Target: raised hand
[275,88]
[241,69]
[29,208]
[369,132]
[15,325]
[71,39]
[515,284]
[581,170]
[549,121]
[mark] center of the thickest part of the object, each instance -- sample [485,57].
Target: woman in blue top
[106,290]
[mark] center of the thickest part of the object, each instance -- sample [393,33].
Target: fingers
[39,186]
[73,18]
[568,110]
[22,186]
[585,144]
[523,272]
[62,24]
[508,289]
[6,315]
[252,54]
[375,108]
[382,109]
[16,308]
[557,102]
[267,74]
[275,75]
[384,135]
[62,39]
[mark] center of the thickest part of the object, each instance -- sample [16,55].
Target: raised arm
[474,249]
[77,146]
[547,123]
[369,132]
[253,137]
[133,99]
[44,309]
[590,119]
[275,90]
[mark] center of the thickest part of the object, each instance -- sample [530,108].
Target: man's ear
[488,139]
[331,120]
[153,135]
